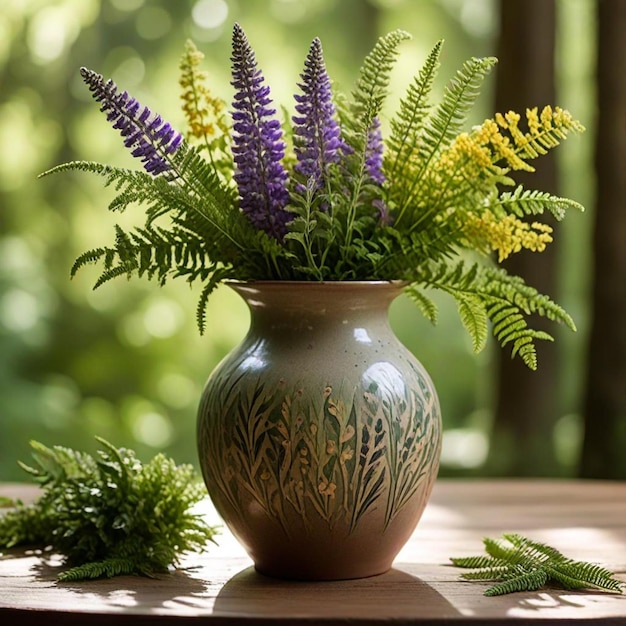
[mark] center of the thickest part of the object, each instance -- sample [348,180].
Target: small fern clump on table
[324,196]
[520,564]
[111,514]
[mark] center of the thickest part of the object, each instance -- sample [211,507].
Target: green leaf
[408,124]
[474,319]
[424,303]
[373,81]
[522,202]
[111,515]
[526,581]
[521,564]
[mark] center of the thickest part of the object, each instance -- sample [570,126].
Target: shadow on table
[551,599]
[394,596]
[179,591]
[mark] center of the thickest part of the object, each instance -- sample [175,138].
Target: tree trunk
[526,409]
[604,447]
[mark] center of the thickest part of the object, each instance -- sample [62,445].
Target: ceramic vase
[319,436]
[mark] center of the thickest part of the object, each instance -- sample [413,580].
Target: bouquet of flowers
[324,197]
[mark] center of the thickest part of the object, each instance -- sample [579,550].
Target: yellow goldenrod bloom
[507,235]
[205,113]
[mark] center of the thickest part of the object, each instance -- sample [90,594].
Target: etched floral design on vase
[319,436]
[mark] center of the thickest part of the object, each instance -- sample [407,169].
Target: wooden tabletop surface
[585,520]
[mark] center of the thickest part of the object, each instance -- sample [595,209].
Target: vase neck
[317,298]
[297,315]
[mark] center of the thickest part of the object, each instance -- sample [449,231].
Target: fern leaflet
[517,563]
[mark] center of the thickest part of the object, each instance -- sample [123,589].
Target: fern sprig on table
[516,563]
[110,514]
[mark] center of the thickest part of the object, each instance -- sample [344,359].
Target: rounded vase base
[320,574]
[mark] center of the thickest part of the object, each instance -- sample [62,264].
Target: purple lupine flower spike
[374,153]
[147,136]
[317,135]
[257,148]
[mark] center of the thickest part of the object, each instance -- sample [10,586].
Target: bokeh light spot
[289,11]
[177,391]
[464,447]
[209,13]
[130,72]
[153,429]
[163,318]
[127,5]
[50,31]
[153,23]
[19,310]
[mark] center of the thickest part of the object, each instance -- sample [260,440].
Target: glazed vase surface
[319,436]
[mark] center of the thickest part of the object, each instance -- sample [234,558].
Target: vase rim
[298,295]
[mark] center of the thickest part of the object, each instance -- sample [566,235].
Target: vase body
[319,436]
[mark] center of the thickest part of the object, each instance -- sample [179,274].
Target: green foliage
[442,197]
[520,564]
[439,129]
[111,514]
[485,293]
[522,202]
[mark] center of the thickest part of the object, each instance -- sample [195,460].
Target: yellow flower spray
[205,113]
[508,234]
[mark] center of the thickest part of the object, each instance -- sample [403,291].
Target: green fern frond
[534,549]
[111,514]
[483,293]
[357,121]
[424,303]
[444,124]
[87,258]
[459,96]
[473,317]
[504,549]
[523,202]
[500,285]
[214,277]
[123,269]
[157,253]
[406,128]
[131,186]
[80,166]
[475,562]
[580,575]
[526,581]
[406,255]
[194,188]
[373,80]
[99,569]
[487,573]
[56,464]
[447,120]
[521,564]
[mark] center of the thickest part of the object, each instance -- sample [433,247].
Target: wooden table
[586,520]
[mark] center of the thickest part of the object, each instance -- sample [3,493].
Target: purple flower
[147,136]
[374,153]
[257,144]
[382,209]
[317,136]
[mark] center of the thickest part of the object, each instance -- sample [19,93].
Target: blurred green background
[126,362]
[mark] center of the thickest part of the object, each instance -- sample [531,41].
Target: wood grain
[586,520]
